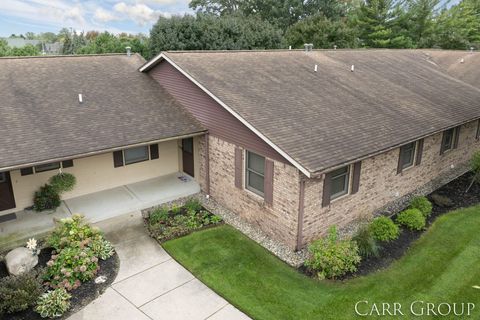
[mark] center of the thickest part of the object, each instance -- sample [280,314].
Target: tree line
[273,24]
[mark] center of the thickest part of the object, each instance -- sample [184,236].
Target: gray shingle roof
[42,119]
[334,116]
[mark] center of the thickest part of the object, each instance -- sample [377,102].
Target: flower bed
[64,279]
[166,223]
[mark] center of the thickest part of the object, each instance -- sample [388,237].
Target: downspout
[207,163]
[301,209]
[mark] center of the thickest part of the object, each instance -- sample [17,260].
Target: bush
[63,182]
[101,248]
[193,204]
[413,219]
[331,257]
[367,245]
[47,198]
[71,232]
[475,168]
[159,215]
[20,292]
[53,303]
[384,229]
[422,204]
[70,267]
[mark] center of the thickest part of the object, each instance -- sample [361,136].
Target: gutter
[301,210]
[93,153]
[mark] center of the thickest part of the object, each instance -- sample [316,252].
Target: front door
[187,154]
[7,201]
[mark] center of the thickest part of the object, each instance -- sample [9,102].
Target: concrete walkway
[150,284]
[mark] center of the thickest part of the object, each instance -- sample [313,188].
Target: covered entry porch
[98,206]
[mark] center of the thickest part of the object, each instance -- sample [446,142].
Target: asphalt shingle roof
[333,116]
[42,119]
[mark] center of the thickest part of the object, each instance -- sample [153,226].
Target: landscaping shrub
[63,182]
[101,248]
[53,303]
[367,244]
[422,204]
[70,267]
[47,198]
[71,232]
[413,219]
[164,224]
[475,168]
[18,293]
[331,257]
[384,229]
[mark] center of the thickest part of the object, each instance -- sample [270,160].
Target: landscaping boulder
[441,201]
[20,260]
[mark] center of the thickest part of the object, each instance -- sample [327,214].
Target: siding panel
[213,116]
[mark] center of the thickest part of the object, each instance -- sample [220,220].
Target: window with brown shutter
[118,159]
[406,158]
[357,168]
[268,182]
[448,138]
[154,151]
[255,173]
[238,168]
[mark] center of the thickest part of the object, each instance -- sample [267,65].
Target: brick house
[298,141]
[293,142]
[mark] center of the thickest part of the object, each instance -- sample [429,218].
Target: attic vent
[352,68]
[308,47]
[80,98]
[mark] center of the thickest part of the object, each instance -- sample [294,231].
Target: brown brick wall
[280,220]
[382,187]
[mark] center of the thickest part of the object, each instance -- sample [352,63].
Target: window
[447,140]
[135,155]
[339,182]
[47,167]
[255,173]
[407,155]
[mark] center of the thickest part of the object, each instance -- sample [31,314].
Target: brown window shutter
[118,159]
[326,190]
[238,168]
[456,137]
[154,151]
[67,164]
[357,168]
[399,165]
[268,182]
[418,158]
[442,149]
[26,171]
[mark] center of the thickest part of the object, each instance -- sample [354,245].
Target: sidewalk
[150,284]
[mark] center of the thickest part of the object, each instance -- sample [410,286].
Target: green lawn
[442,266]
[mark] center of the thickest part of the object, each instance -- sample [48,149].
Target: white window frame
[414,155]
[247,170]
[346,191]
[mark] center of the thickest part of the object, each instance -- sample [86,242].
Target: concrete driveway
[150,284]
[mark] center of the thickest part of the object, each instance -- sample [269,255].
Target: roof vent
[471,49]
[334,47]
[352,68]
[462,60]
[129,51]
[80,98]
[289,47]
[308,47]
[315,68]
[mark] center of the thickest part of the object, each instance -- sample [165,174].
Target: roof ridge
[65,56]
[318,50]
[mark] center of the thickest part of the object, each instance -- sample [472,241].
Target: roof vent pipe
[289,47]
[80,98]
[129,51]
[308,47]
[471,49]
[334,47]
[315,68]
[462,60]
[352,68]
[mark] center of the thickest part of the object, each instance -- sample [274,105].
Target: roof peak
[314,50]
[66,56]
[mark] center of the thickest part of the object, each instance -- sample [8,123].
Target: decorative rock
[100,279]
[441,201]
[20,260]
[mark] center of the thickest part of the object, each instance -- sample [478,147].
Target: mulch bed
[81,296]
[391,251]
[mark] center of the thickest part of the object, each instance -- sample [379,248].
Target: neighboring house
[291,141]
[45,47]
[299,141]
[94,116]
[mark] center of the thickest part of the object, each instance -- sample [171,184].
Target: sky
[131,16]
